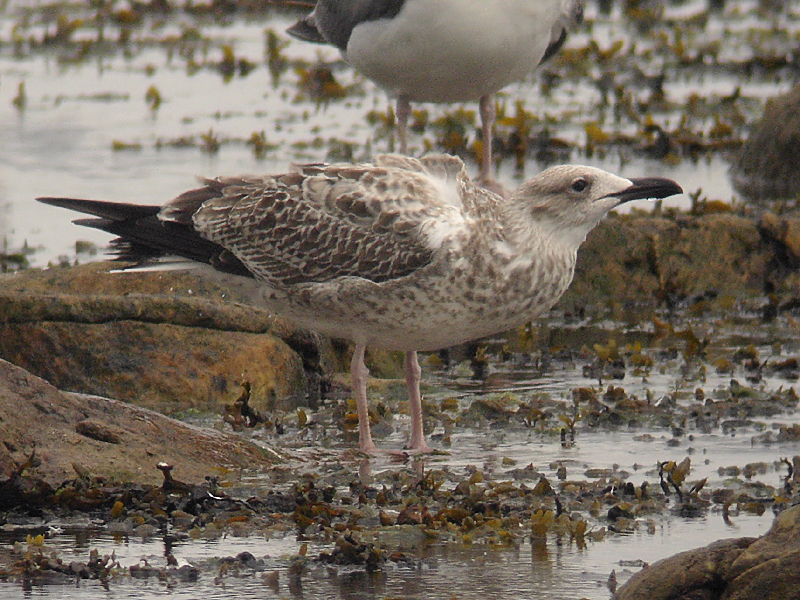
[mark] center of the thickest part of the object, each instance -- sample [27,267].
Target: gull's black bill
[649,188]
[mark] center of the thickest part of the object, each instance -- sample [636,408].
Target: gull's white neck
[533,235]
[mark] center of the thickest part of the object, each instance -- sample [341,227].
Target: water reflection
[531,567]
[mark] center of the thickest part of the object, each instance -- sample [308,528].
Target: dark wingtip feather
[144,238]
[554,47]
[115,211]
[306,29]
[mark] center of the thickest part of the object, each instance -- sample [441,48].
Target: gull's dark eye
[579,184]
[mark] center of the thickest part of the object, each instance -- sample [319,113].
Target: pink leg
[413,376]
[488,114]
[360,373]
[403,113]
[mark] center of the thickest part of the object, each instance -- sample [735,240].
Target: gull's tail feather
[144,239]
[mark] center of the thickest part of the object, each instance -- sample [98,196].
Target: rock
[767,568]
[405,538]
[695,574]
[106,438]
[768,165]
[782,538]
[165,367]
[784,234]
[645,259]
[102,432]
[168,349]
[168,340]
[775,579]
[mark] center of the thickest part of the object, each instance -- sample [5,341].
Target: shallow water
[552,570]
[533,569]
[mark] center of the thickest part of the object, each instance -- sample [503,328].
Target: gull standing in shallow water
[443,50]
[405,254]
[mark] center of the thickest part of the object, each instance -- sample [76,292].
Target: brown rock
[107,438]
[784,235]
[165,367]
[775,579]
[652,260]
[768,165]
[693,575]
[767,568]
[782,538]
[175,347]
[100,431]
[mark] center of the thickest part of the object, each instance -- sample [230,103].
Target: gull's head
[567,201]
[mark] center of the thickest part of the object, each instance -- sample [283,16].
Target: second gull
[443,50]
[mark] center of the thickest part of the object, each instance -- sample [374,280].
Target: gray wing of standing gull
[570,18]
[325,222]
[554,47]
[333,21]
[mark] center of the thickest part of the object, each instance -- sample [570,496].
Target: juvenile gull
[405,254]
[443,50]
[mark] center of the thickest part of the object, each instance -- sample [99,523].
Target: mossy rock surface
[167,341]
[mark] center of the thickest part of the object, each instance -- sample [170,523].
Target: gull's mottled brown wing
[377,222]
